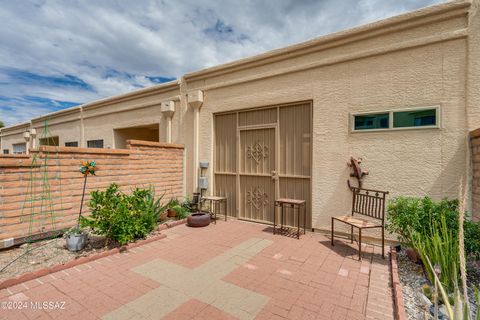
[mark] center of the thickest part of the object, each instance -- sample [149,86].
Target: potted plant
[76,238]
[172,206]
[177,209]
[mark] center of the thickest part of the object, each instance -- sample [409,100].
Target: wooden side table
[215,206]
[295,204]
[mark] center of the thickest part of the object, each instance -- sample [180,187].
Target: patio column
[82,143]
[27,137]
[195,100]
[168,109]
[33,137]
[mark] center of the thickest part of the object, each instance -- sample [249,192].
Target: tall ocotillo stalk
[83,197]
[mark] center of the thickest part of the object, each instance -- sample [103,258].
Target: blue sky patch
[28,78]
[20,109]
[160,79]
[223,32]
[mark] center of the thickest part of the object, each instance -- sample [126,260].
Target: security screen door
[258,173]
[263,154]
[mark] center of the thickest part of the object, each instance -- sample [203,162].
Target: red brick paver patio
[226,271]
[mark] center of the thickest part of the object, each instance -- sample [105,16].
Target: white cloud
[114,45]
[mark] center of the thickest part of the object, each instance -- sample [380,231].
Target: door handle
[274,175]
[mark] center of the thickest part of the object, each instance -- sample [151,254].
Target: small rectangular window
[95,143]
[20,148]
[415,118]
[49,141]
[371,121]
[6,151]
[71,144]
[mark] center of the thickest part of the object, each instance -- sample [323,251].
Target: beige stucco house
[402,94]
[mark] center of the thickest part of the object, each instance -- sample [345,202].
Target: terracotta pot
[171,213]
[163,215]
[413,255]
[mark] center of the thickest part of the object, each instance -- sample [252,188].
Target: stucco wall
[99,122]
[12,135]
[67,128]
[473,70]
[405,162]
[411,162]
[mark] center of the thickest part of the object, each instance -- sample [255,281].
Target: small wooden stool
[215,206]
[290,203]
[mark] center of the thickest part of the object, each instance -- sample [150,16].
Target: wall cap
[55,149]
[14,156]
[475,133]
[140,143]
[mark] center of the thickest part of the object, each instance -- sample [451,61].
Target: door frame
[275,127]
[237,111]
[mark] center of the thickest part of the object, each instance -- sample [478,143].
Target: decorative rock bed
[412,278]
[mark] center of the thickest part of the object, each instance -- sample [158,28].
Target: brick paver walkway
[232,270]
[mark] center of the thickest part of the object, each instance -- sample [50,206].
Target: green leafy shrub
[409,215]
[472,239]
[122,217]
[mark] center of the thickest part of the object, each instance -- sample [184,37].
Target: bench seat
[358,222]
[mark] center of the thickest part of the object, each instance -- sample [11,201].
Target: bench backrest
[369,203]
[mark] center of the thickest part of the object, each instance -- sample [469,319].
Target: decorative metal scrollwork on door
[257,152]
[257,198]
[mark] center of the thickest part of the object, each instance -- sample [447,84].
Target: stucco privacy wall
[475,146]
[141,165]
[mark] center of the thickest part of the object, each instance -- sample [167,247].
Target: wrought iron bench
[369,203]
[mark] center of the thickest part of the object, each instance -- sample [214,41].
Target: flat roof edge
[15,126]
[159,88]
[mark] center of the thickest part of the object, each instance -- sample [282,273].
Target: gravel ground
[47,253]
[412,278]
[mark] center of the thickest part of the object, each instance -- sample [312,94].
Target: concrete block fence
[26,209]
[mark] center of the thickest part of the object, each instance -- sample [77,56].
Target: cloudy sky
[57,54]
